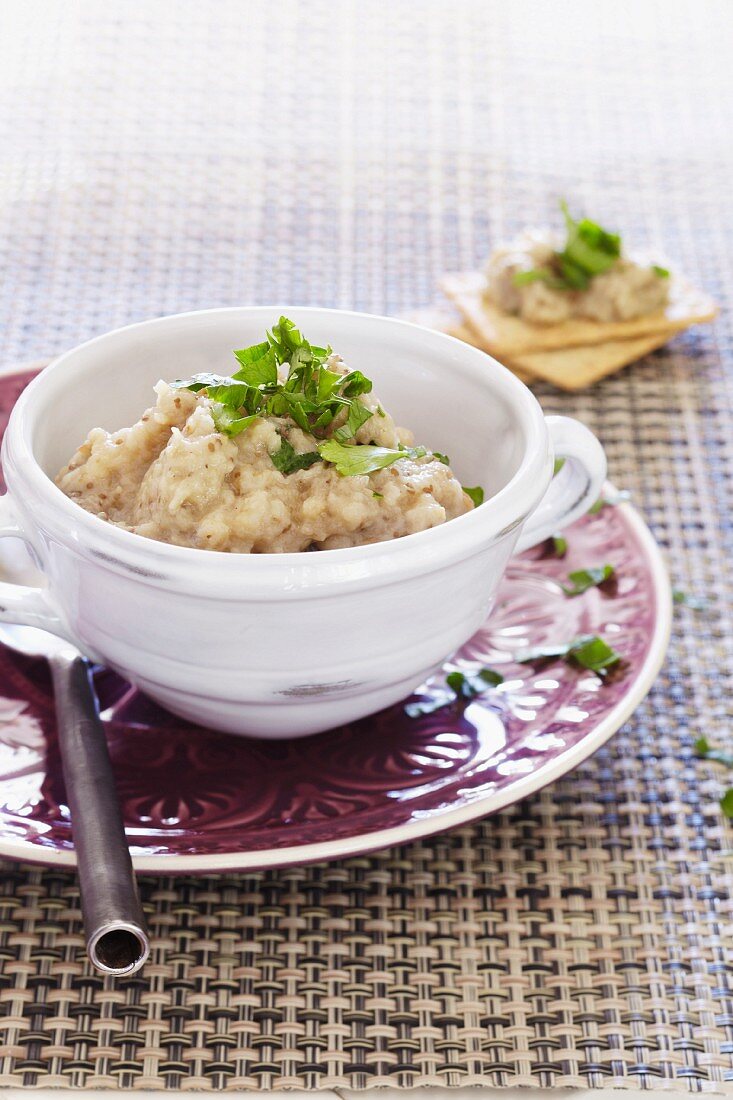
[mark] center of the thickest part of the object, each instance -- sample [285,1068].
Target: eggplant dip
[545,280]
[292,452]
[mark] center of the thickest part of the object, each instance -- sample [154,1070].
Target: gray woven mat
[160,157]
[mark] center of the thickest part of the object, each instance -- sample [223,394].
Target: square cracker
[507,336]
[566,368]
[576,368]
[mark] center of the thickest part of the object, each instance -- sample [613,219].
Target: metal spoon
[117,938]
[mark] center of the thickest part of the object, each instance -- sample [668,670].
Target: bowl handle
[574,489]
[20,604]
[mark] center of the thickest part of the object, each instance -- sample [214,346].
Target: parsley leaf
[285,339]
[593,653]
[464,685]
[704,749]
[695,603]
[355,383]
[660,272]
[353,459]
[491,676]
[358,415]
[287,460]
[559,545]
[539,275]
[200,382]
[227,422]
[583,579]
[441,458]
[726,803]
[467,685]
[259,365]
[589,250]
[589,651]
[476,494]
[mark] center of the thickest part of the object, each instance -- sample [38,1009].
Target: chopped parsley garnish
[704,749]
[287,460]
[593,653]
[441,458]
[559,545]
[583,579]
[324,403]
[467,685]
[351,459]
[476,494]
[358,415]
[695,603]
[708,752]
[589,651]
[311,395]
[227,421]
[589,250]
[464,685]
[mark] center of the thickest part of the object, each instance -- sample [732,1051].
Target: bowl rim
[129,551]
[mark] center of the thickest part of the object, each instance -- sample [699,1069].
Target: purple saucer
[199,801]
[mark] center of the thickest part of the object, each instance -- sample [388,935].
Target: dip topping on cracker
[544,280]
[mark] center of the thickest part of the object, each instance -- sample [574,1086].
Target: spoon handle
[117,938]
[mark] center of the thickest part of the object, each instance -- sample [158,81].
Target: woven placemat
[165,157]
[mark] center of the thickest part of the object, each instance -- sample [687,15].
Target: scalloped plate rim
[441,820]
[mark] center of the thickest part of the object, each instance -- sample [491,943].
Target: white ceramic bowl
[284,645]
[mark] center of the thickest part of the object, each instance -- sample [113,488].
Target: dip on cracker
[545,280]
[572,310]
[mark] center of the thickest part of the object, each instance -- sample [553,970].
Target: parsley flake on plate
[464,685]
[558,545]
[583,579]
[588,651]
[467,685]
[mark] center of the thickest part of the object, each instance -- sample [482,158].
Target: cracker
[567,368]
[507,336]
[576,368]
